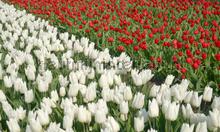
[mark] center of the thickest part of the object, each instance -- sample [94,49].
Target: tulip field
[109,66]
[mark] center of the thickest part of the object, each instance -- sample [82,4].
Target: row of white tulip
[53,82]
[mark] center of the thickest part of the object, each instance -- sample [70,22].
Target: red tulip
[110,39]
[217,57]
[120,48]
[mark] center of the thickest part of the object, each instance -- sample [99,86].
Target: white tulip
[7,59]
[54,95]
[184,84]
[187,128]
[8,81]
[138,101]
[139,124]
[169,79]
[172,111]
[21,113]
[103,83]
[2,96]
[42,85]
[215,103]
[67,121]
[82,89]
[30,72]
[82,78]
[28,128]
[213,119]
[43,117]
[112,124]
[117,79]
[54,127]
[143,113]
[196,100]
[202,127]
[165,105]
[187,111]
[73,78]
[62,92]
[124,107]
[207,94]
[108,94]
[153,108]
[146,75]
[178,92]
[20,86]
[128,94]
[90,94]
[13,125]
[136,78]
[35,125]
[63,81]
[188,97]
[84,116]
[100,116]
[91,74]
[92,108]
[73,90]
[154,90]
[102,105]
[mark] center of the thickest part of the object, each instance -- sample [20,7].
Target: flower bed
[169,37]
[54,82]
